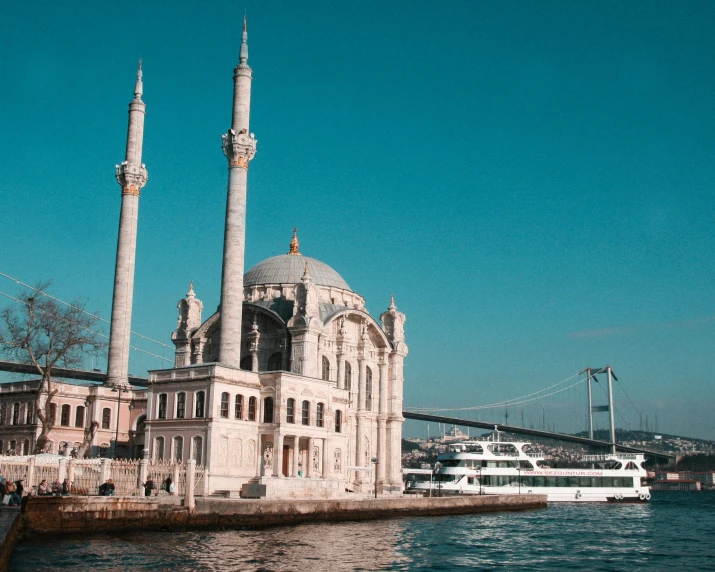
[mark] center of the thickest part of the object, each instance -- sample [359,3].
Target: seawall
[92,515]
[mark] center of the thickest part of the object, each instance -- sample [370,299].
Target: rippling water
[673,531]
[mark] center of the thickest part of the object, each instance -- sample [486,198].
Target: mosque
[291,384]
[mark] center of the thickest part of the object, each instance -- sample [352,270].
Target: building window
[251,408]
[305,413]
[159,449]
[65,416]
[268,410]
[180,405]
[348,376]
[200,395]
[163,399]
[338,421]
[275,362]
[368,388]
[319,414]
[79,417]
[197,449]
[30,411]
[26,447]
[15,413]
[224,405]
[290,411]
[178,448]
[326,369]
[246,363]
[2,451]
[106,417]
[53,413]
[13,445]
[239,407]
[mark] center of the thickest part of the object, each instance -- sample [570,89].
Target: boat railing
[610,457]
[534,455]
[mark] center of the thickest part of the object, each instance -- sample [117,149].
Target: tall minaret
[239,146]
[132,176]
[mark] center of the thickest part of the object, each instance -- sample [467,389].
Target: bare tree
[45,333]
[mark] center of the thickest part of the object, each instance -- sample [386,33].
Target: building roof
[289,269]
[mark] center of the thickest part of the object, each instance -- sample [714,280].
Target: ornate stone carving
[338,461]
[251,453]
[368,458]
[316,458]
[268,456]
[239,148]
[223,451]
[132,178]
[236,452]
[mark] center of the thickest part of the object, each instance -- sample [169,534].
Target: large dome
[289,269]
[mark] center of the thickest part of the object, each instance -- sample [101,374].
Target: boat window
[504,449]
[453,463]
[631,466]
[525,465]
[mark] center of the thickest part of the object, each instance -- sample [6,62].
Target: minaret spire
[239,146]
[131,176]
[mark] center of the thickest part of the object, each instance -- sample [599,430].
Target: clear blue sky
[533,181]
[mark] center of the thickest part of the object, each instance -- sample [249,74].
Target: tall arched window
[53,413]
[348,375]
[275,362]
[65,415]
[251,408]
[16,414]
[200,397]
[106,417]
[26,447]
[268,410]
[178,448]
[197,449]
[326,369]
[239,407]
[224,405]
[368,388]
[180,405]
[159,449]
[290,411]
[79,417]
[338,421]
[163,400]
[305,413]
[319,413]
[30,413]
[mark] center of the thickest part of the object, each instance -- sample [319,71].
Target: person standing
[148,487]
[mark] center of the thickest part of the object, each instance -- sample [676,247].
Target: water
[672,532]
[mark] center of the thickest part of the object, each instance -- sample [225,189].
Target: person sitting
[44,489]
[107,489]
[56,488]
[66,487]
[169,486]
[14,497]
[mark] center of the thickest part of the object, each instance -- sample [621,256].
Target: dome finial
[392,303]
[294,243]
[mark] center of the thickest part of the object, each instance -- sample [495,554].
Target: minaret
[132,176]
[239,146]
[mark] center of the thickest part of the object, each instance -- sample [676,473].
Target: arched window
[239,407]
[13,445]
[368,388]
[178,448]
[200,396]
[348,376]
[319,414]
[30,413]
[26,447]
[163,400]
[16,414]
[224,405]
[197,449]
[246,363]
[65,416]
[290,411]
[159,449]
[305,413]
[79,417]
[251,408]
[53,413]
[275,362]
[106,417]
[268,410]
[180,405]
[338,421]
[326,369]
[2,451]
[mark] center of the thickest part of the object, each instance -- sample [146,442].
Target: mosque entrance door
[286,464]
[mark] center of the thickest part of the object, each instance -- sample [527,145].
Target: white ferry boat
[495,467]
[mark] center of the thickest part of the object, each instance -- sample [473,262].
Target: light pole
[119,405]
[374,462]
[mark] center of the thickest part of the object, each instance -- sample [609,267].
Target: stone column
[189,500]
[341,371]
[143,473]
[309,457]
[105,471]
[381,420]
[277,454]
[362,389]
[239,147]
[296,455]
[30,474]
[62,474]
[326,464]
[176,479]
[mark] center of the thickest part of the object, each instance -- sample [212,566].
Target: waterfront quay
[95,515]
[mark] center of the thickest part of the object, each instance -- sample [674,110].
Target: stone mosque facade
[291,383]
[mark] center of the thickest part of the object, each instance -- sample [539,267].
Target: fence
[86,475]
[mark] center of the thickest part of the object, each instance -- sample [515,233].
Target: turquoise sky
[532,180]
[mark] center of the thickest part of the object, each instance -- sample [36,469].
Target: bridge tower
[591,375]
